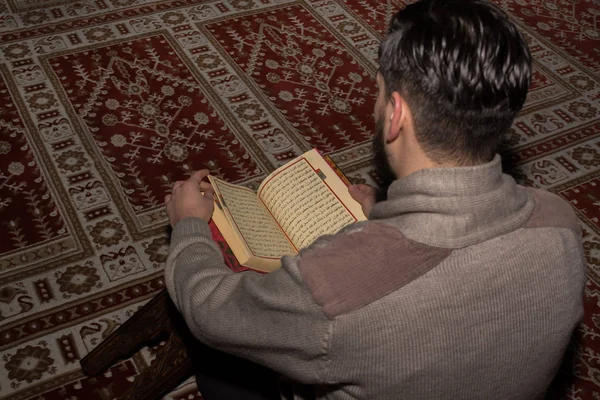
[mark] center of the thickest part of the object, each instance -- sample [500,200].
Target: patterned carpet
[105,103]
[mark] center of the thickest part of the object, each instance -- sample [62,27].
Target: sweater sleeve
[269,319]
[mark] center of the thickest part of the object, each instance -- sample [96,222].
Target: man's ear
[397,114]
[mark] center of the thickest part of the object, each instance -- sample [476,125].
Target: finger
[366,188]
[209,192]
[357,194]
[359,189]
[167,199]
[177,185]
[198,176]
[206,187]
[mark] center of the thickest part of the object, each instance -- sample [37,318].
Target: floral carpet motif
[105,103]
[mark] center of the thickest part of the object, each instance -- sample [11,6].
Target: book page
[238,245]
[303,203]
[248,216]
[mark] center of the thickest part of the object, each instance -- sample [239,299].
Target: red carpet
[105,103]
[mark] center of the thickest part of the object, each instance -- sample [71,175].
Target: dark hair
[464,70]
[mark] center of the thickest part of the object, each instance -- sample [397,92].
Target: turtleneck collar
[455,207]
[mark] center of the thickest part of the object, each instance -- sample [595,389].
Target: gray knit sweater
[462,285]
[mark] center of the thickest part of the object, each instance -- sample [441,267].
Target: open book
[293,206]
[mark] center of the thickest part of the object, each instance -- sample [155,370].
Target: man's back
[484,308]
[462,333]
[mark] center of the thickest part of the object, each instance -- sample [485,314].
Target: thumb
[198,176]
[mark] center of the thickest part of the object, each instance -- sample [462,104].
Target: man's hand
[191,198]
[365,195]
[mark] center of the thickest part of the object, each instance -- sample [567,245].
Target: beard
[381,162]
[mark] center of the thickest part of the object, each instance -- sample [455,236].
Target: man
[461,285]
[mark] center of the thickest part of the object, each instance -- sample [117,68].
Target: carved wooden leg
[147,325]
[157,319]
[171,367]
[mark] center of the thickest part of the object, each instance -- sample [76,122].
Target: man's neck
[416,163]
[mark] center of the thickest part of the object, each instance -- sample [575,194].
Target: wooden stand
[156,321]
